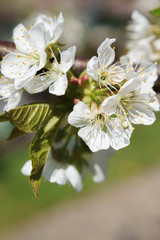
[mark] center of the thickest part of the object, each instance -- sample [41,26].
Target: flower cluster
[20,67]
[130,100]
[101,106]
[143,38]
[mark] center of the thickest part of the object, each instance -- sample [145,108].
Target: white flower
[56,76]
[9,94]
[143,39]
[133,102]
[99,69]
[53,27]
[56,172]
[141,49]
[146,71]
[139,27]
[97,129]
[30,57]
[98,163]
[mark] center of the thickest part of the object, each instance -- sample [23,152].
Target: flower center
[103,76]
[56,69]
[100,120]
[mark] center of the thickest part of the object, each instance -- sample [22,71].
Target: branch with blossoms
[94,110]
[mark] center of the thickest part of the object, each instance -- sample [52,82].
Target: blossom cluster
[111,99]
[143,38]
[19,68]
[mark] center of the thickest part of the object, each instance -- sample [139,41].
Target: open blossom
[133,102]
[143,39]
[55,78]
[56,172]
[146,71]
[100,68]
[9,94]
[139,27]
[30,57]
[53,27]
[97,129]
[141,48]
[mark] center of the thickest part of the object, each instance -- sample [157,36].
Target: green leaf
[51,123]
[4,117]
[39,149]
[29,118]
[15,133]
[155,12]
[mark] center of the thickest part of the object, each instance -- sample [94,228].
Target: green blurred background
[87,24]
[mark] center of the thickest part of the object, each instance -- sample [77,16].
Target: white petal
[116,73]
[22,39]
[140,113]
[80,116]
[130,86]
[54,172]
[156,44]
[94,137]
[141,50]
[13,100]
[98,165]
[92,67]
[118,137]
[59,176]
[20,82]
[38,36]
[148,73]
[106,54]
[59,28]
[124,60]
[14,65]
[139,26]
[155,106]
[43,57]
[27,168]
[59,86]
[110,104]
[37,84]
[74,178]
[6,88]
[67,58]
[47,23]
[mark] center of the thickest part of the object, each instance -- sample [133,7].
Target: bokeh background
[126,205]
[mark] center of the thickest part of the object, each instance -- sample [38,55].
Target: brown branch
[79,64]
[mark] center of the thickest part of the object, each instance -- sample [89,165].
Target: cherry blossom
[30,57]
